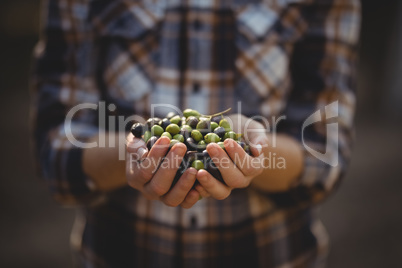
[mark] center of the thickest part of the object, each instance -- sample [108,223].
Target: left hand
[236,166]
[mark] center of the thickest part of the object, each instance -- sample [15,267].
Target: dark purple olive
[213,170]
[151,142]
[138,130]
[191,156]
[170,115]
[242,144]
[185,132]
[153,121]
[205,153]
[247,149]
[216,119]
[220,131]
[192,121]
[164,123]
[183,167]
[191,144]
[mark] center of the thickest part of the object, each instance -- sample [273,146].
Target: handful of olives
[196,131]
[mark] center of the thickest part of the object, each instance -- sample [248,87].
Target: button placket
[193,221]
[196,87]
[196,216]
[197,25]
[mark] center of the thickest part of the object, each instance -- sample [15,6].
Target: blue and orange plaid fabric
[276,57]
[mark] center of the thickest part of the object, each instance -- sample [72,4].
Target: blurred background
[364,217]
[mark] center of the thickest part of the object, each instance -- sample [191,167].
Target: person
[276,58]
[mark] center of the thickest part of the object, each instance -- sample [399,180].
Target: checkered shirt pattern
[276,57]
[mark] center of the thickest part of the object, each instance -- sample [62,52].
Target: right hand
[154,183]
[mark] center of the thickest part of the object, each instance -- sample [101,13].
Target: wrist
[102,164]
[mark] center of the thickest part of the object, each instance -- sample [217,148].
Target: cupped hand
[146,172]
[235,165]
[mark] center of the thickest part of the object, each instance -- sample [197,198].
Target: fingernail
[141,151]
[192,171]
[259,148]
[212,149]
[164,141]
[179,150]
[227,143]
[201,177]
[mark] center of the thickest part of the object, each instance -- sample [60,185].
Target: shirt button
[193,221]
[196,88]
[197,24]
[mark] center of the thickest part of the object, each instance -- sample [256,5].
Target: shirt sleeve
[62,79]
[321,104]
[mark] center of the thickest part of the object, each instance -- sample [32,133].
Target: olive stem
[220,113]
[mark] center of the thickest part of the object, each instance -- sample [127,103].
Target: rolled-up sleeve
[62,79]
[321,104]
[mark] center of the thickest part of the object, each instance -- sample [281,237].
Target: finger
[134,144]
[202,190]
[257,144]
[129,165]
[214,187]
[253,130]
[133,168]
[146,168]
[179,192]
[129,137]
[249,166]
[163,178]
[191,199]
[230,173]
[135,153]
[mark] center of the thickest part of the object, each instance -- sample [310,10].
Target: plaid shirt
[278,57]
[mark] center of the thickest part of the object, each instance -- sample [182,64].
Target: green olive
[187,127]
[166,134]
[147,135]
[222,145]
[197,164]
[191,112]
[175,120]
[157,130]
[211,137]
[214,125]
[230,135]
[196,135]
[204,124]
[225,124]
[201,145]
[179,137]
[185,130]
[173,142]
[173,129]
